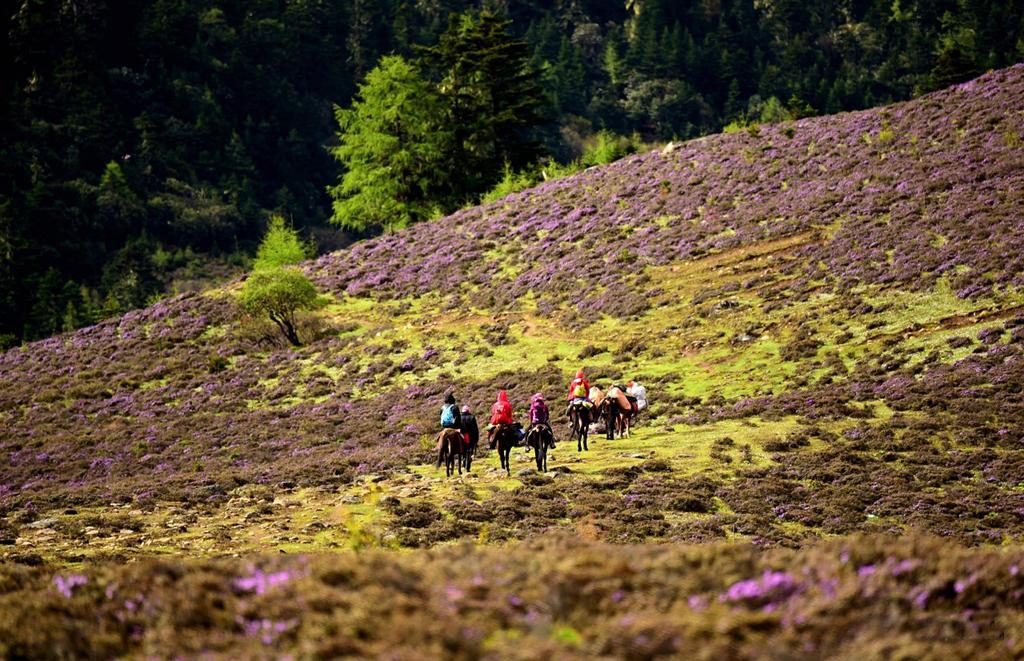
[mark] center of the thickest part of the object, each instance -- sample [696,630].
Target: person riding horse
[638,392]
[502,432]
[470,434]
[451,450]
[501,414]
[540,416]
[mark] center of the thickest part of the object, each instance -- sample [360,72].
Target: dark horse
[616,419]
[540,438]
[449,451]
[505,437]
[579,419]
[468,450]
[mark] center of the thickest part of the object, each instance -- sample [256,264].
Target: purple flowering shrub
[901,195]
[558,596]
[182,402]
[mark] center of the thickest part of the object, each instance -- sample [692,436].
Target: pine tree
[493,96]
[394,147]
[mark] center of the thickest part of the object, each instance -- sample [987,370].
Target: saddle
[492,435]
[455,443]
[543,425]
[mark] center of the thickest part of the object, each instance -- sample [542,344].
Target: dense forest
[144,145]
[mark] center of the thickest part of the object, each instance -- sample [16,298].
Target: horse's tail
[442,447]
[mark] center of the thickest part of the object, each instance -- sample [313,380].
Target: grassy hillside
[828,316]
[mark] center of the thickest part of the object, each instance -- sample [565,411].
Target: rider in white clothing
[634,389]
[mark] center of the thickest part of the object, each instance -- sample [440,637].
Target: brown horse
[450,451]
[617,409]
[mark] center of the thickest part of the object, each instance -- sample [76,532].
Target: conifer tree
[394,144]
[493,98]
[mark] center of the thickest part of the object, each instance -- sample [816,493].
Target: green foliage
[511,182]
[279,293]
[608,147]
[281,246]
[205,118]
[394,145]
[493,100]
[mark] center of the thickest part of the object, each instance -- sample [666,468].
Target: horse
[469,449]
[617,409]
[449,450]
[579,420]
[540,437]
[505,437]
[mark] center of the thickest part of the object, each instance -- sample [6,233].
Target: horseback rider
[640,393]
[450,418]
[501,414]
[579,386]
[470,430]
[579,391]
[539,414]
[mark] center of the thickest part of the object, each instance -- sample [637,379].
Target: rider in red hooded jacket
[580,380]
[501,411]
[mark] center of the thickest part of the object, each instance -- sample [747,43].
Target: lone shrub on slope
[274,289]
[279,293]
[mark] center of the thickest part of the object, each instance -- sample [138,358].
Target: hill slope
[827,314]
[786,289]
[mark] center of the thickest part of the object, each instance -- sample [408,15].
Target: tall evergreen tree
[393,146]
[493,96]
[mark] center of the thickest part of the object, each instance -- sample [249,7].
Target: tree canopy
[394,145]
[158,135]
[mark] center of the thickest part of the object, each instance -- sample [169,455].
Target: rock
[526,472]
[561,469]
[28,559]
[42,523]
[351,499]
